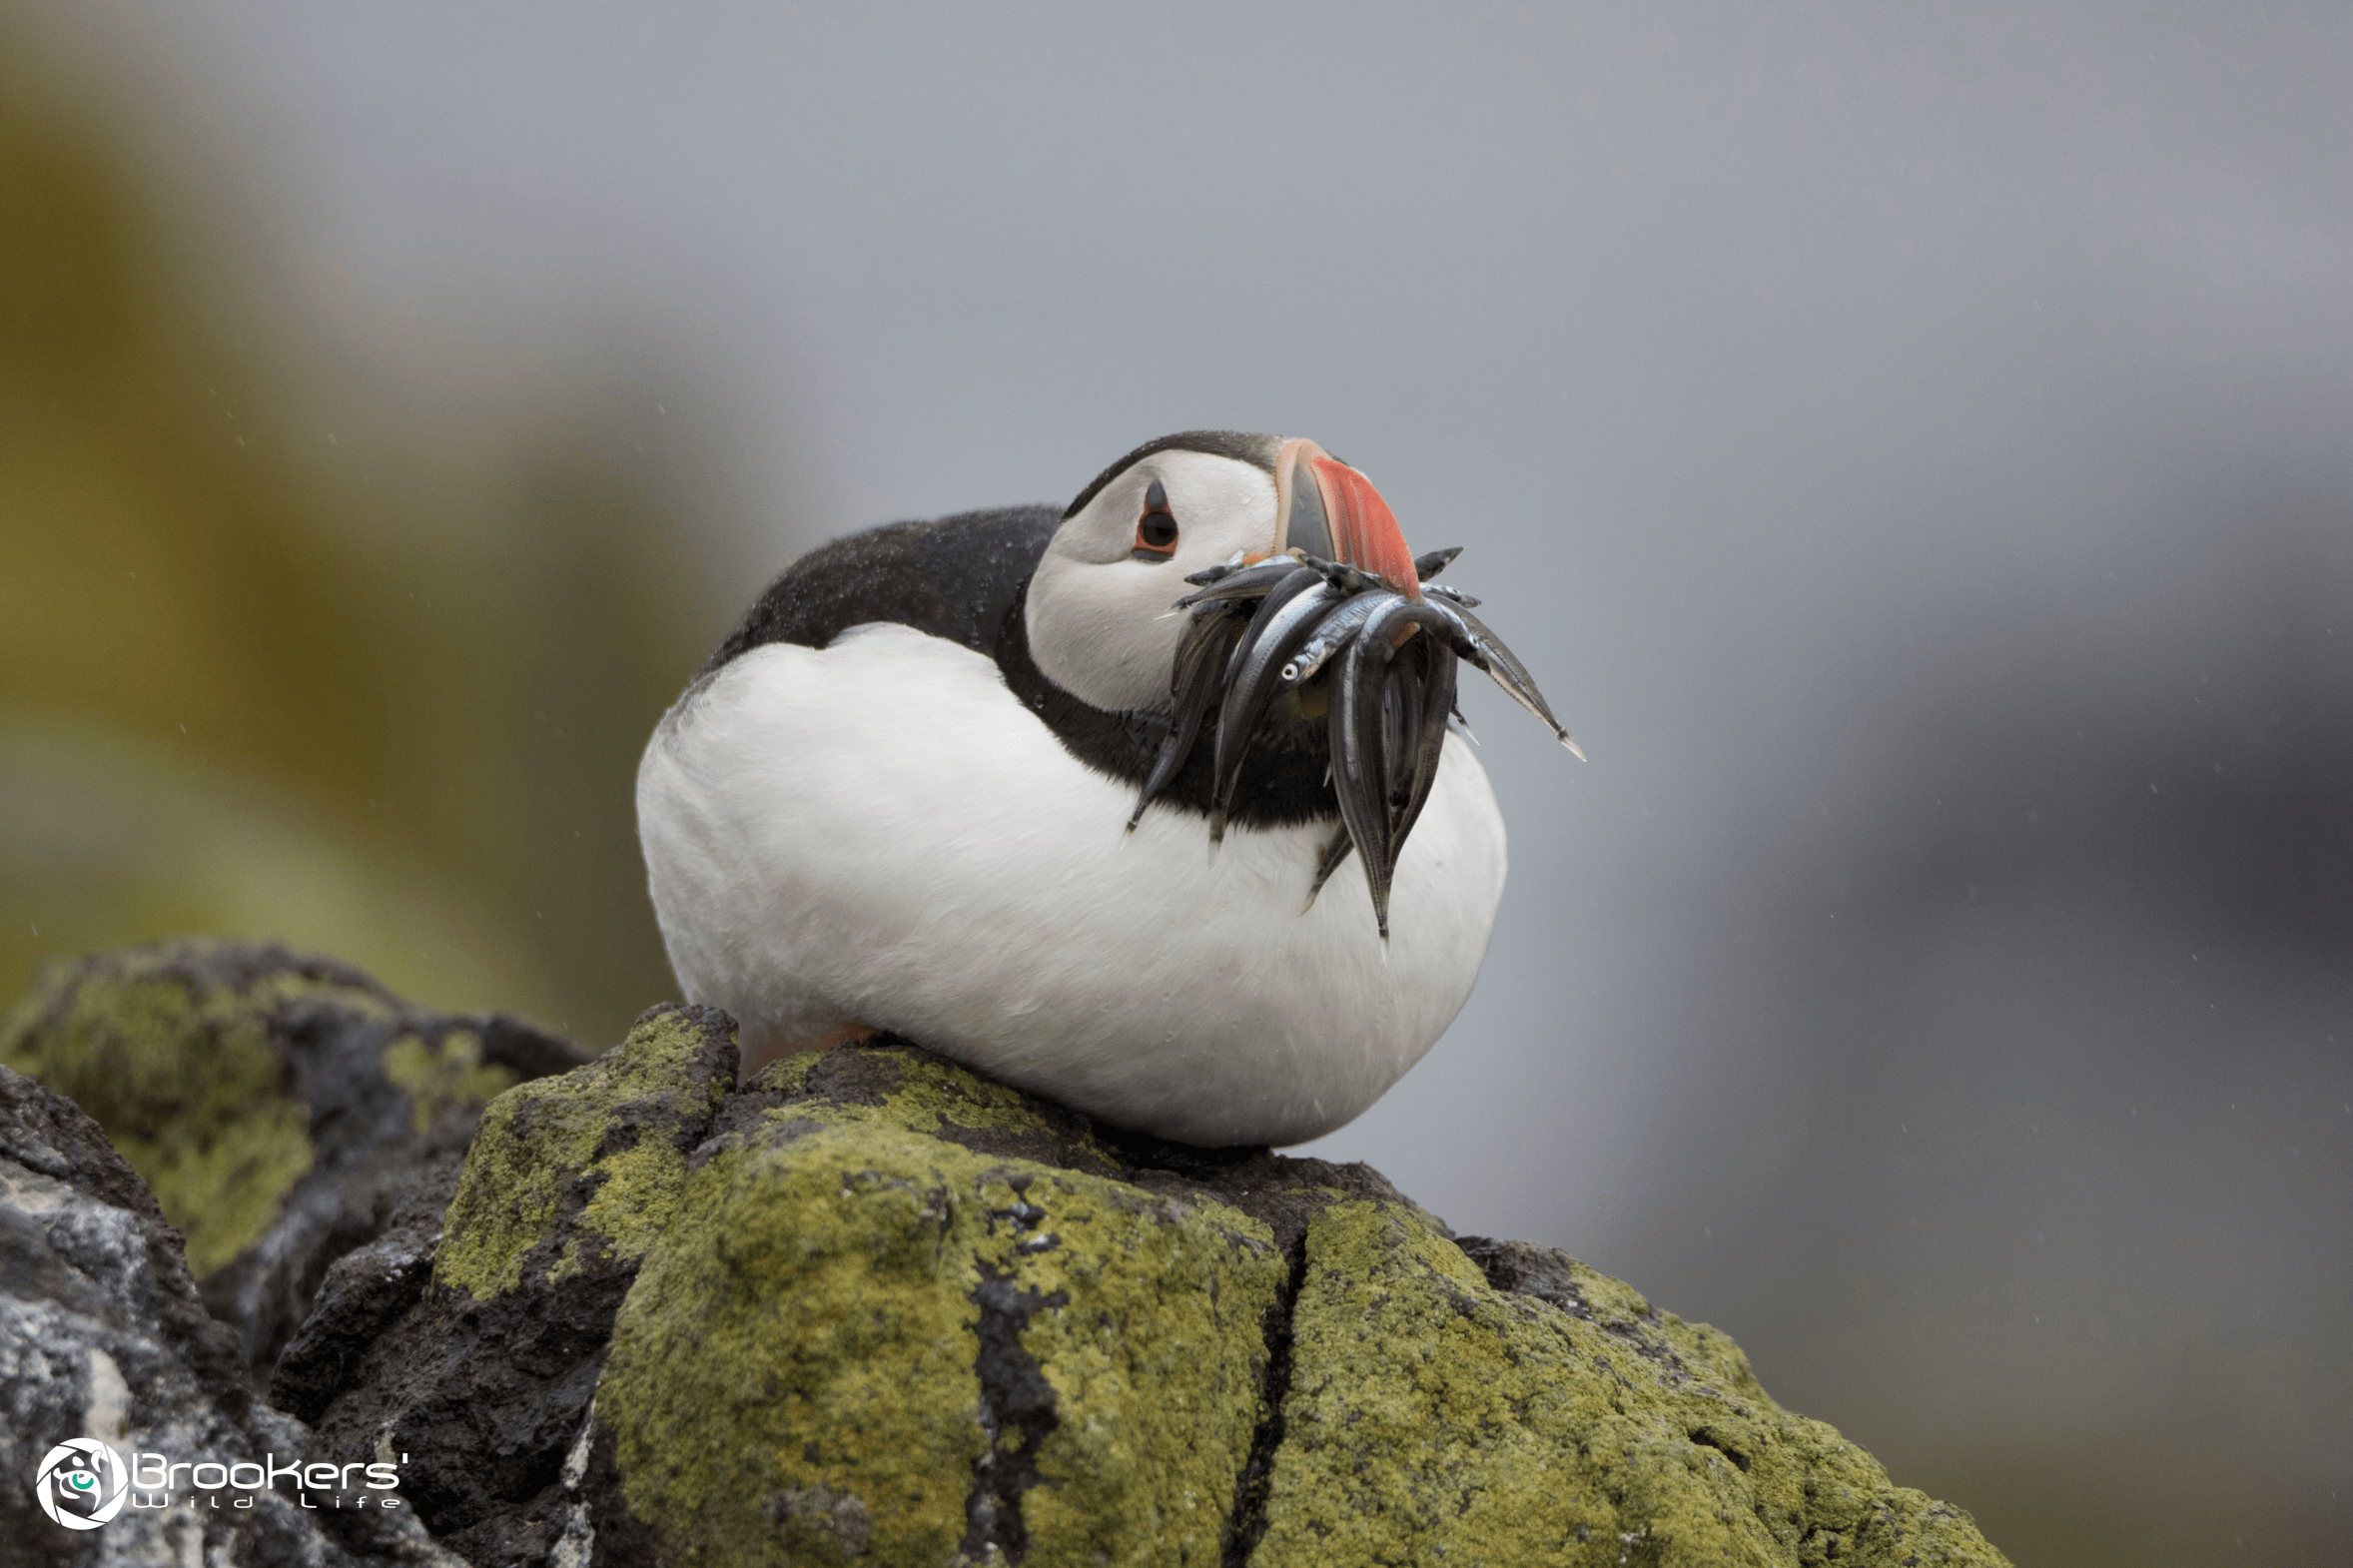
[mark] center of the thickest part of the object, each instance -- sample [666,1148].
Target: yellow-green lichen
[931,1092]
[808,1329]
[1164,1335]
[1433,1419]
[786,1074]
[538,1139]
[805,1327]
[187,1087]
[447,1075]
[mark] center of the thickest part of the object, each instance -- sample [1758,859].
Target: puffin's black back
[965,578]
[954,577]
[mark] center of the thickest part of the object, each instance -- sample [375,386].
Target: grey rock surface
[102,1334]
[283,1105]
[490,1394]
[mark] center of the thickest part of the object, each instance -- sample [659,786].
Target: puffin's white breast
[879,830]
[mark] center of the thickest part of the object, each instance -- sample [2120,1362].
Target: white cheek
[1106,633]
[1101,622]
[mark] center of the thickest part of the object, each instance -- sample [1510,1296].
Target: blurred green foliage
[252,682]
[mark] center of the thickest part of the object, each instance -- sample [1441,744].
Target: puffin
[1157,805]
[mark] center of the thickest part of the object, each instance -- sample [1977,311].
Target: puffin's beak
[1328,509]
[1268,624]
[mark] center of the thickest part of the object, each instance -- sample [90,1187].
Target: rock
[102,1334]
[1440,1408]
[485,1379]
[873,1309]
[281,1107]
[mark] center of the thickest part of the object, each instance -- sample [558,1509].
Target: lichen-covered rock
[485,1374]
[1432,1417]
[102,1334]
[867,1308]
[281,1107]
[872,1308]
[869,1336]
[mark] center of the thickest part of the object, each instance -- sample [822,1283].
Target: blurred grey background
[1912,447]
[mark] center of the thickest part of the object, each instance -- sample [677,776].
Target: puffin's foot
[816,1037]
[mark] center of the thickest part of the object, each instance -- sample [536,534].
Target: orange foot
[821,1037]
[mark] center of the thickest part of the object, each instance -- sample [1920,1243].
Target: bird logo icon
[82,1483]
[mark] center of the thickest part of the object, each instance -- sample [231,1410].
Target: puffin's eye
[1155,530]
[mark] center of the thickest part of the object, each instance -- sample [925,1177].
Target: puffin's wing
[954,577]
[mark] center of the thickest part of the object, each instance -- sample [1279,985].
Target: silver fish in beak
[1332,620]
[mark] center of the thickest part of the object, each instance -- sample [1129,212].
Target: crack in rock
[1245,1521]
[1017,1412]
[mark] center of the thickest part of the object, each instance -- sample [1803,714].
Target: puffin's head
[1099,615]
[1300,588]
